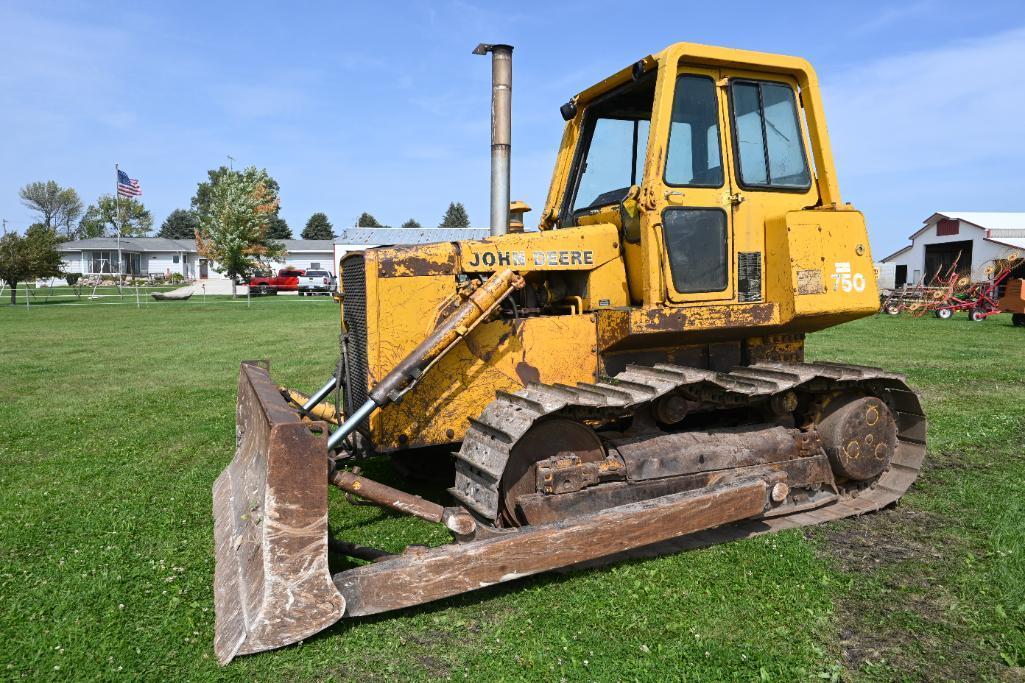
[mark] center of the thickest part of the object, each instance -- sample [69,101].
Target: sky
[381,107]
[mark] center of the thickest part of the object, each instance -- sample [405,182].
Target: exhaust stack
[501,132]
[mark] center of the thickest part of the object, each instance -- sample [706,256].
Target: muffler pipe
[501,132]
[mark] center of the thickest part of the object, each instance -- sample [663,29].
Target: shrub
[72,278]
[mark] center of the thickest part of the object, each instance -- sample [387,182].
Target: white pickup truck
[316,282]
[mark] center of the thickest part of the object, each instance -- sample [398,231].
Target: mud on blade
[272,586]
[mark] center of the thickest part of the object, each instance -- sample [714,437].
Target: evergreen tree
[367,221]
[455,217]
[412,223]
[277,229]
[318,228]
[180,224]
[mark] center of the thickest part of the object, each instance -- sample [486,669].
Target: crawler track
[487,445]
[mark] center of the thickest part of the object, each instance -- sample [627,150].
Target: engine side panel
[499,355]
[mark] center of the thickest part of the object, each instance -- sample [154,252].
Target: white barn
[971,239]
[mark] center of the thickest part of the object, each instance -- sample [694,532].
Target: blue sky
[381,107]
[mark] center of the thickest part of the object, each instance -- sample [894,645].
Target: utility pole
[231,163]
[4,220]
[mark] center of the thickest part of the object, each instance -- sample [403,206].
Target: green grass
[110,296]
[114,422]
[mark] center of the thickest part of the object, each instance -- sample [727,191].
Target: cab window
[767,136]
[694,158]
[614,144]
[696,242]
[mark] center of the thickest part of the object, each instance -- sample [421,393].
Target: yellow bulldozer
[627,379]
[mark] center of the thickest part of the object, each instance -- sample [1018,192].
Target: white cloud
[931,110]
[894,14]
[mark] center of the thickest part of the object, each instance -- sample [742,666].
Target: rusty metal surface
[272,586]
[811,472]
[420,259]
[386,496]
[654,456]
[548,439]
[859,435]
[420,577]
[671,326]
[487,445]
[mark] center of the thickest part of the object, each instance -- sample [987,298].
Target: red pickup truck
[287,280]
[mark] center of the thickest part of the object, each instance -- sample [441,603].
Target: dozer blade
[272,586]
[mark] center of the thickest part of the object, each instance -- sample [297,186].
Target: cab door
[767,154]
[695,229]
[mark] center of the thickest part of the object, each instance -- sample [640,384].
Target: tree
[109,215]
[30,257]
[455,217]
[412,223]
[202,197]
[14,267]
[278,229]
[180,224]
[365,220]
[58,207]
[233,222]
[318,228]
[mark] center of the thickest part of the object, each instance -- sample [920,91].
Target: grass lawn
[114,422]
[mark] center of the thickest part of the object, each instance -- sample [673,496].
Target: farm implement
[952,291]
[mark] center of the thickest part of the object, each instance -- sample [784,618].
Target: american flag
[127,187]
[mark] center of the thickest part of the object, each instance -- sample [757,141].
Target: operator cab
[692,167]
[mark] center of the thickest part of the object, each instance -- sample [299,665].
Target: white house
[145,256]
[139,256]
[971,239]
[357,239]
[308,255]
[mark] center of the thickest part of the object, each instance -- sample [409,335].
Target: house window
[315,266]
[103,262]
[176,259]
[947,227]
[106,262]
[133,264]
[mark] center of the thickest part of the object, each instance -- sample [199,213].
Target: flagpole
[117,212]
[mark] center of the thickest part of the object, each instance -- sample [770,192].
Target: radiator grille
[354,311]
[749,276]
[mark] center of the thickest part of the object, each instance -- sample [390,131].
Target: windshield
[615,140]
